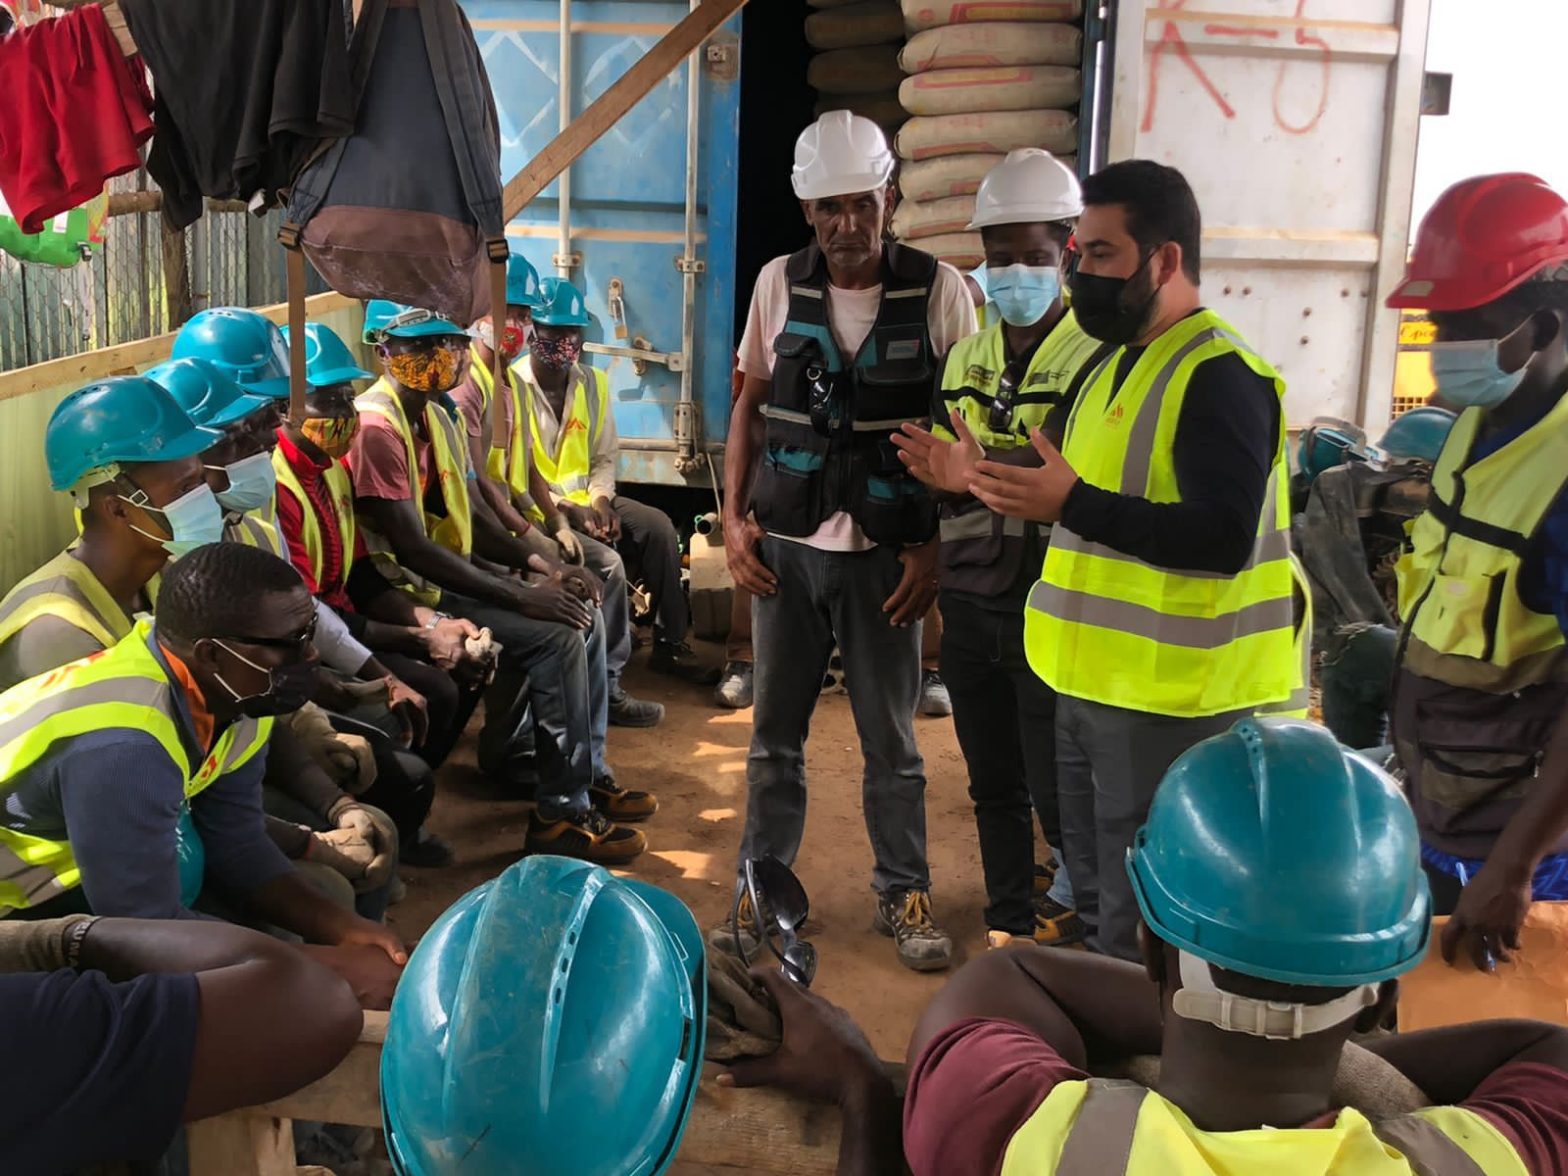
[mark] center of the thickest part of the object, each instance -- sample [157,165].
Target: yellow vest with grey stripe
[1104,1127]
[254,530]
[66,589]
[508,463]
[123,688]
[1107,627]
[568,469]
[455,531]
[340,493]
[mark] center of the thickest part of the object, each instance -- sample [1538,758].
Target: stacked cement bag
[856,64]
[984,79]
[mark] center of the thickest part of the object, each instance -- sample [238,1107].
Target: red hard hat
[1482,238]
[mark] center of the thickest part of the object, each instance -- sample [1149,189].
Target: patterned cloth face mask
[334,436]
[429,370]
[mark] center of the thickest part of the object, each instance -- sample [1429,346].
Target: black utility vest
[828,425]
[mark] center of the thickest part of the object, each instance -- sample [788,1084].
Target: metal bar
[563,233]
[671,360]
[685,411]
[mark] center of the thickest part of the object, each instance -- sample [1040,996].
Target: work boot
[588,835]
[1056,925]
[722,937]
[679,660]
[734,691]
[1044,879]
[996,940]
[906,916]
[935,702]
[626,711]
[621,804]
[426,851]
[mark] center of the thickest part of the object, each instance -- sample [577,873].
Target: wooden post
[176,277]
[629,89]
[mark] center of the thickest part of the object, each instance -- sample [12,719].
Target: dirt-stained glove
[347,851]
[42,945]
[565,538]
[486,650]
[377,829]
[348,759]
[743,1021]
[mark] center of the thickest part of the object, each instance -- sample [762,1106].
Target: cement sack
[995,132]
[920,15]
[882,109]
[1007,87]
[952,175]
[913,219]
[962,251]
[871,22]
[975,46]
[871,70]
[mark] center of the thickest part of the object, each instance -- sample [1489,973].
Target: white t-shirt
[851,313]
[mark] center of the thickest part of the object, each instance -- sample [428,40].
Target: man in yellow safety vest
[1164,608]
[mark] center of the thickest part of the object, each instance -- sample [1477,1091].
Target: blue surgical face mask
[194,519]
[1468,374]
[252,483]
[1023,293]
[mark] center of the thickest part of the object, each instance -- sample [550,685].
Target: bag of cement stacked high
[920,15]
[870,22]
[975,46]
[870,69]
[989,132]
[953,175]
[994,88]
[962,251]
[917,219]
[882,109]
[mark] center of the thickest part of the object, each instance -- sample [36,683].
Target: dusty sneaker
[935,702]
[722,937]
[906,916]
[621,804]
[1056,925]
[590,835]
[734,691]
[626,711]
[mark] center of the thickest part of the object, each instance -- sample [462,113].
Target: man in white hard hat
[1014,376]
[842,346]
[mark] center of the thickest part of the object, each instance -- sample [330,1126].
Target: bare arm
[1450,1063]
[399,521]
[742,452]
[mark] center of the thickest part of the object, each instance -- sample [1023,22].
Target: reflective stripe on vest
[1107,627]
[1101,1127]
[123,687]
[455,532]
[66,589]
[340,492]
[508,463]
[1459,585]
[567,470]
[254,531]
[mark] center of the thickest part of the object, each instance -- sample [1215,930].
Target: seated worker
[135,1026]
[1480,709]
[246,346]
[572,424]
[512,483]
[99,758]
[447,549]
[1247,993]
[996,386]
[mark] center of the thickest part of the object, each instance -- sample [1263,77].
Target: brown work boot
[1056,925]
[621,804]
[906,916]
[590,835]
[722,938]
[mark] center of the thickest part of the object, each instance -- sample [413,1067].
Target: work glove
[486,651]
[376,829]
[565,538]
[345,850]
[348,759]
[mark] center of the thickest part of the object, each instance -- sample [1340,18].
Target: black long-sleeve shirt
[1226,439]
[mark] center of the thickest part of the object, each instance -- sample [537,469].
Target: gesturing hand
[942,465]
[1035,494]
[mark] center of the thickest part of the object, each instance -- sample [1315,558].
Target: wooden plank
[350,1094]
[113,15]
[151,200]
[176,276]
[629,89]
[241,1145]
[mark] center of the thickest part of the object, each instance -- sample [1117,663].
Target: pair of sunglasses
[822,386]
[1000,413]
[780,907]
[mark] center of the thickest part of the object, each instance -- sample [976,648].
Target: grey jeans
[605,561]
[1109,761]
[825,597]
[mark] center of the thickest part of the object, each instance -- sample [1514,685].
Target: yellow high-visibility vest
[254,530]
[340,492]
[566,470]
[1107,627]
[455,532]
[66,589]
[122,688]
[1459,584]
[1108,1128]
[506,463]
[1299,704]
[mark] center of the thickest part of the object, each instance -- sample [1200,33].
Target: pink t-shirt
[851,313]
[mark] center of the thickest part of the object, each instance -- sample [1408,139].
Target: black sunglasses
[822,386]
[295,644]
[774,889]
[1000,413]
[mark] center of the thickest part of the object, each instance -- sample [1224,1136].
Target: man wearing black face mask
[1164,609]
[99,758]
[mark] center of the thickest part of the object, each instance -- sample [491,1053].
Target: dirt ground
[696,762]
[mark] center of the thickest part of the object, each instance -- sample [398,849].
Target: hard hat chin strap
[1200,999]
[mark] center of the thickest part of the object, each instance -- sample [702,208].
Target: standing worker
[997,386]
[1164,608]
[1480,712]
[834,538]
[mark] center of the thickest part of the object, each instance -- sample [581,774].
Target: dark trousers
[1006,723]
[450,705]
[648,538]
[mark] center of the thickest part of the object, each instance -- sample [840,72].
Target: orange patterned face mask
[334,436]
[429,370]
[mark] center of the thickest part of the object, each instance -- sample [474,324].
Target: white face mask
[1200,999]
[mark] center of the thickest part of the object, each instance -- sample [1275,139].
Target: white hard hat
[1029,185]
[838,154]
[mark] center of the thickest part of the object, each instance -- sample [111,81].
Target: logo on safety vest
[1114,417]
[904,349]
[574,423]
[978,375]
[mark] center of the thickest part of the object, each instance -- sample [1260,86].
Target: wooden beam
[176,277]
[629,89]
[151,200]
[115,17]
[241,1145]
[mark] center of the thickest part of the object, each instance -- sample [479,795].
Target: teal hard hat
[522,282]
[121,420]
[1418,434]
[245,344]
[1272,851]
[560,305]
[206,393]
[551,1022]
[1328,442]
[328,360]
[383,319]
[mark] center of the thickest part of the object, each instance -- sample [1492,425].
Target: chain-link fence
[119,295]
